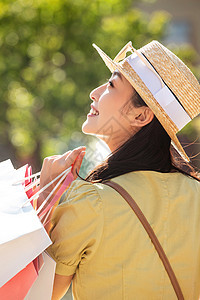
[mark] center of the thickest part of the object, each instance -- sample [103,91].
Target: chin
[86,128]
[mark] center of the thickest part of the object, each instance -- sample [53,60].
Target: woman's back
[98,236]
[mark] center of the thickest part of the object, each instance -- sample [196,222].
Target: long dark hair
[148,149]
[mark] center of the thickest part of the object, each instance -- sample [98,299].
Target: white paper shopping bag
[6,166]
[43,286]
[22,236]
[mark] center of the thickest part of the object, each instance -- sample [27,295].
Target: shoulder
[138,182]
[190,185]
[143,182]
[82,193]
[80,202]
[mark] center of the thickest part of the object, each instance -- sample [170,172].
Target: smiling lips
[93,111]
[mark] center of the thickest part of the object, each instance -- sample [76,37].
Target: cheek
[109,106]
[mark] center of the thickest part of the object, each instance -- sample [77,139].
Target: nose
[92,95]
[96,93]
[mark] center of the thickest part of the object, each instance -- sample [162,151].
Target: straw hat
[163,81]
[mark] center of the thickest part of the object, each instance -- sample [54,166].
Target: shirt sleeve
[77,227]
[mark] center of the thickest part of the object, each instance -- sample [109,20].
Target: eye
[110,83]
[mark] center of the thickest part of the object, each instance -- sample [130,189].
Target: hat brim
[128,72]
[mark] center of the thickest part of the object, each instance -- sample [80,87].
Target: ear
[143,116]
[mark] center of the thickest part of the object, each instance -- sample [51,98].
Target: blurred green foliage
[48,66]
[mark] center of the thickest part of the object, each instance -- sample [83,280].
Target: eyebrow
[117,74]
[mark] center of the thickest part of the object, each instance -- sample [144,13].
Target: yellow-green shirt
[97,236]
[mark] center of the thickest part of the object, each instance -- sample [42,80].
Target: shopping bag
[23,231]
[18,286]
[22,236]
[43,286]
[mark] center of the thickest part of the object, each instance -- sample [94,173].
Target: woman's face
[112,101]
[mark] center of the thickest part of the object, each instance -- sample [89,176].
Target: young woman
[98,241]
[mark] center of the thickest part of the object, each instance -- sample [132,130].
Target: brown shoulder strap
[151,234]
